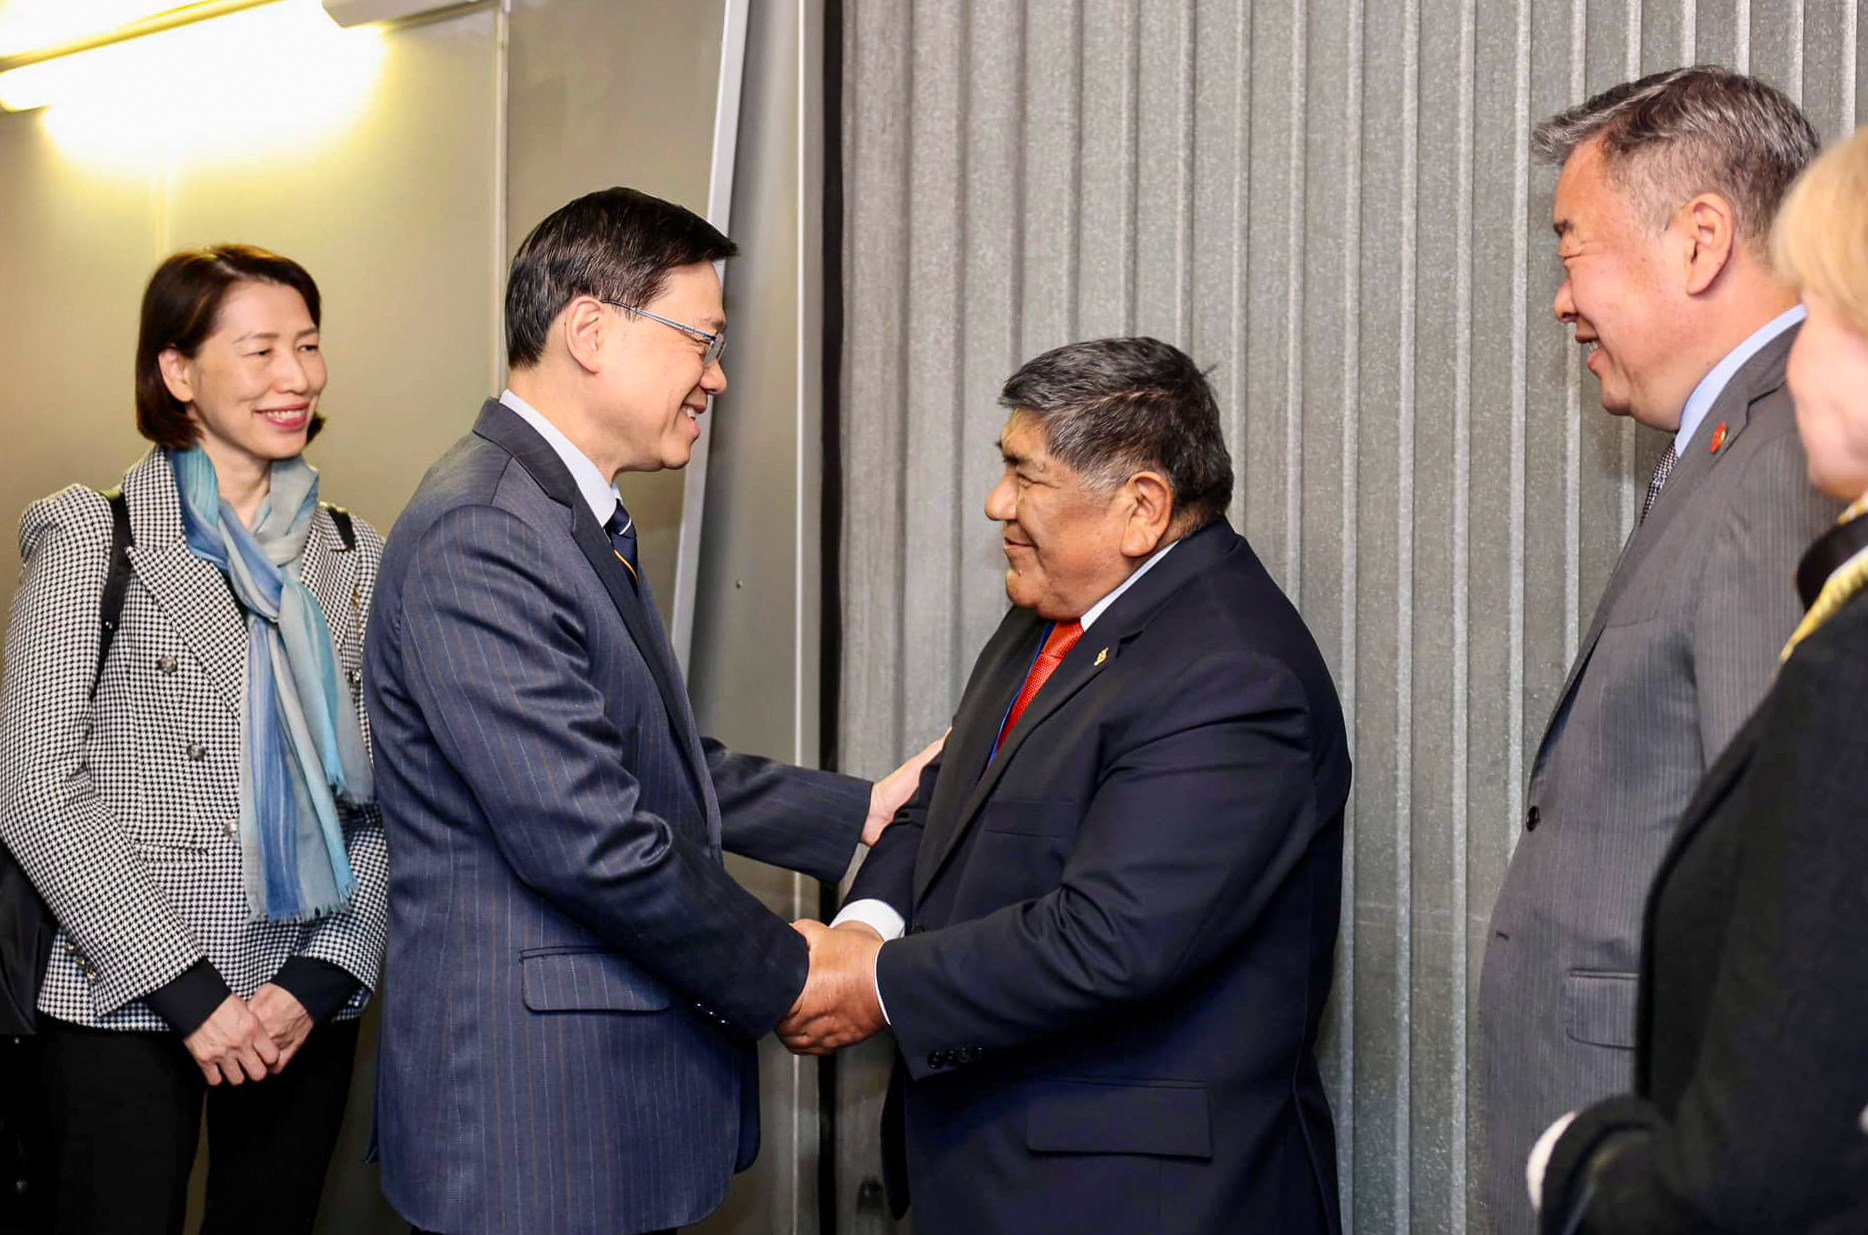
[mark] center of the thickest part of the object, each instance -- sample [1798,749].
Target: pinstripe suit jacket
[1681,648]
[567,1042]
[124,810]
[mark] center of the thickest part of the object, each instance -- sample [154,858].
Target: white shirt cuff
[880,917]
[1539,1162]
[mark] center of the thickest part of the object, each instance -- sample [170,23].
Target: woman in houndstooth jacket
[198,812]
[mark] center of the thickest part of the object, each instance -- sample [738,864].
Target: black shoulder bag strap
[346,530]
[116,581]
[26,924]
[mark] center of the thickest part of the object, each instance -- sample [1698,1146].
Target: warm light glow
[272,79]
[33,25]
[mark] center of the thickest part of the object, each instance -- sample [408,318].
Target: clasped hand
[245,1040]
[839,1005]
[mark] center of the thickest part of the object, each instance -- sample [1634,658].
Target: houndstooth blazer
[124,810]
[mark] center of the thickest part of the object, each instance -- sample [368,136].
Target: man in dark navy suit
[567,1040]
[1120,881]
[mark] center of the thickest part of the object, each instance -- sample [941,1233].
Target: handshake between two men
[839,1005]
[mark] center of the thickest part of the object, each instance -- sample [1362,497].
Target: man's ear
[1151,513]
[177,374]
[582,324]
[1712,234]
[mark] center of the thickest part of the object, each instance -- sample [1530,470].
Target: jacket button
[354,676]
[1531,818]
[167,664]
[233,827]
[196,752]
[918,928]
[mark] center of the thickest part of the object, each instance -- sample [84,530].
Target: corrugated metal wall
[1331,203]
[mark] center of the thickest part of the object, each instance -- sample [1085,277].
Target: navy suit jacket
[1121,927]
[567,1037]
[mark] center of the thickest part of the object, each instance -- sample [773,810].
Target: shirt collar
[1714,383]
[598,492]
[1096,610]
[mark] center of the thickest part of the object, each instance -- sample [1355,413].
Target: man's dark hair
[1112,407]
[181,306]
[615,244]
[1672,135]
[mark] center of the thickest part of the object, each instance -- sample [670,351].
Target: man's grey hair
[1112,407]
[1671,136]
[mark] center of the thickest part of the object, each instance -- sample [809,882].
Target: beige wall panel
[74,252]
[394,218]
[614,115]
[392,214]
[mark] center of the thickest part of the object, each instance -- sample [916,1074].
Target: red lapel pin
[1718,438]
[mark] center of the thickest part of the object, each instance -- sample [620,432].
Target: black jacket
[1752,1054]
[1121,927]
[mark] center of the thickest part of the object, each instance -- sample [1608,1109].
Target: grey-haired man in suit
[1663,211]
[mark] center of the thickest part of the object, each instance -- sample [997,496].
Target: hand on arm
[839,1006]
[897,789]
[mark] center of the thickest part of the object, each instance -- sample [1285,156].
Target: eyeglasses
[716,342]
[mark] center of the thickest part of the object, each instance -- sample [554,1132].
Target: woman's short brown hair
[180,305]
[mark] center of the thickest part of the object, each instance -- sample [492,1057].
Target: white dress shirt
[599,493]
[1714,383]
[880,915]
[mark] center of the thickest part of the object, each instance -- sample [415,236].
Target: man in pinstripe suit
[1662,210]
[567,1042]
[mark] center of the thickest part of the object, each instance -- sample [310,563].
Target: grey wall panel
[1331,203]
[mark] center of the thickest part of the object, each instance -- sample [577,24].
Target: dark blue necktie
[622,532]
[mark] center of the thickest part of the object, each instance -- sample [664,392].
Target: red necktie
[1057,645]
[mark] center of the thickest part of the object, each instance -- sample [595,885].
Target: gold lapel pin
[1100,658]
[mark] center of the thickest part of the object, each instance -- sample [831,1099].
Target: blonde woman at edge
[1751,1059]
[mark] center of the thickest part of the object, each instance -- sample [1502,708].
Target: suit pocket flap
[589,981]
[1091,1117]
[1599,1008]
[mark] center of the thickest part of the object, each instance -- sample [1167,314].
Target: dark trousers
[124,1116]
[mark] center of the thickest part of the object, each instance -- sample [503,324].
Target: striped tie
[1057,645]
[1662,470]
[622,532]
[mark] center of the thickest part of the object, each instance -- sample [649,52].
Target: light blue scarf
[302,744]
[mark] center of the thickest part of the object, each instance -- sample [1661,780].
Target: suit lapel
[1077,671]
[957,805]
[499,425]
[996,680]
[321,570]
[201,609]
[1760,376]
[188,589]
